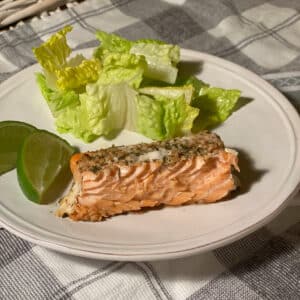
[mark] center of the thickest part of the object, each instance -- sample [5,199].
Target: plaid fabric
[262,36]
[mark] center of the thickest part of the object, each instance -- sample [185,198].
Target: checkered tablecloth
[263,36]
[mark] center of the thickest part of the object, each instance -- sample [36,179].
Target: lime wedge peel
[12,135]
[43,166]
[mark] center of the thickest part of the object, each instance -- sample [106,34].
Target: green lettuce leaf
[122,67]
[170,91]
[216,105]
[111,43]
[61,73]
[53,53]
[56,100]
[162,118]
[193,81]
[104,110]
[109,104]
[161,58]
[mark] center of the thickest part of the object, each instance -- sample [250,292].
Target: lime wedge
[12,135]
[43,166]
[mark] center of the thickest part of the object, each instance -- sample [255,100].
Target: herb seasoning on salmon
[116,180]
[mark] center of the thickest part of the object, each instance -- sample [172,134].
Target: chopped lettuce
[162,118]
[161,58]
[122,67]
[61,73]
[57,100]
[170,91]
[104,110]
[193,81]
[127,84]
[215,105]
[111,43]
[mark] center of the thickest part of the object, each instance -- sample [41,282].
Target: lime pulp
[43,166]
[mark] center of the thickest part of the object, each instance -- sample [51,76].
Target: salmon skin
[116,180]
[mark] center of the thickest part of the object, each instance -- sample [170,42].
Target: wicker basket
[13,11]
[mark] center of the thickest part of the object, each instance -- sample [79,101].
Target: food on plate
[133,85]
[12,135]
[43,166]
[192,169]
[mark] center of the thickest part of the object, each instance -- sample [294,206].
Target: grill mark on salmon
[107,182]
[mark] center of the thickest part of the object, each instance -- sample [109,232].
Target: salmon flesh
[116,180]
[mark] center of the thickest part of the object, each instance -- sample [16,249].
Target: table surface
[259,35]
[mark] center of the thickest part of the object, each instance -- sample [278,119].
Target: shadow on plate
[188,68]
[242,102]
[248,174]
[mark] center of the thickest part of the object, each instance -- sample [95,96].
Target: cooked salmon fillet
[107,182]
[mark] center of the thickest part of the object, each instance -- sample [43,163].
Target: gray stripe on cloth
[293,65]
[58,25]
[90,280]
[206,43]
[280,38]
[14,37]
[138,30]
[293,236]
[261,35]
[294,98]
[242,5]
[4,76]
[84,281]
[174,25]
[244,248]
[285,82]
[260,26]
[207,13]
[225,286]
[11,248]
[148,280]
[143,9]
[20,55]
[89,44]
[159,282]
[28,278]
[294,4]
[81,21]
[271,271]
[288,84]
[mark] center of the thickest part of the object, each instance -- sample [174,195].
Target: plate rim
[291,116]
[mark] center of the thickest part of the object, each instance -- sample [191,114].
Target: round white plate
[266,132]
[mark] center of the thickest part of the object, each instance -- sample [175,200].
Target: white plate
[266,131]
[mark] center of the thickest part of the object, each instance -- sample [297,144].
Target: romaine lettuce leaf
[216,105]
[104,110]
[111,43]
[78,76]
[53,53]
[127,84]
[170,91]
[56,100]
[109,104]
[61,73]
[162,118]
[161,58]
[122,67]
[193,81]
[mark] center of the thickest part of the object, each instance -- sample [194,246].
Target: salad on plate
[132,85]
